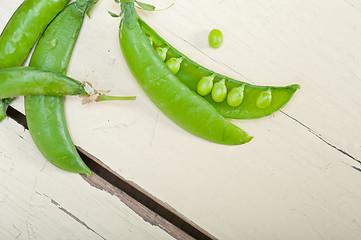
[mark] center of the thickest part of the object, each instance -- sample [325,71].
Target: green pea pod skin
[24,81]
[49,138]
[172,97]
[4,106]
[23,29]
[190,73]
[45,114]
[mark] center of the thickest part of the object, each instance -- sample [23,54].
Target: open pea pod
[256,102]
[184,107]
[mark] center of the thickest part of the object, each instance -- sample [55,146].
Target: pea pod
[190,73]
[182,105]
[45,114]
[22,31]
[24,81]
[3,107]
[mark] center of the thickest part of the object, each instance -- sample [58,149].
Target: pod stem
[86,5]
[104,97]
[96,96]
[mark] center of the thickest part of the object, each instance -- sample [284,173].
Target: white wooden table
[299,178]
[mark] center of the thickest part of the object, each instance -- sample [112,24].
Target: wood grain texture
[299,178]
[39,202]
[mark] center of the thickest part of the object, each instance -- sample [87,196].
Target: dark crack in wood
[75,218]
[143,203]
[142,211]
[356,168]
[324,140]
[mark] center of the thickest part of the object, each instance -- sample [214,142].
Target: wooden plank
[37,201]
[300,176]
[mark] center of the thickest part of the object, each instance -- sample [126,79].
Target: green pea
[219,91]
[215,38]
[264,99]
[162,52]
[150,40]
[235,96]
[174,64]
[205,85]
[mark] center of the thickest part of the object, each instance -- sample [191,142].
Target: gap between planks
[151,209]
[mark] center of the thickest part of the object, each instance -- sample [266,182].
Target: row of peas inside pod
[218,89]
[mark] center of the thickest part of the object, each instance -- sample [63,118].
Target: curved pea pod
[183,106]
[190,73]
[25,81]
[45,115]
[23,29]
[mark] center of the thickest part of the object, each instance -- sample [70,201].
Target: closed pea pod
[45,114]
[190,73]
[30,81]
[24,81]
[23,29]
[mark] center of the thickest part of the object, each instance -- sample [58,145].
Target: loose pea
[215,38]
[235,96]
[219,91]
[264,99]
[162,52]
[174,64]
[205,85]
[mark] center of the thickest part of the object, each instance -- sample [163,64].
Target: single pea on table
[215,38]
